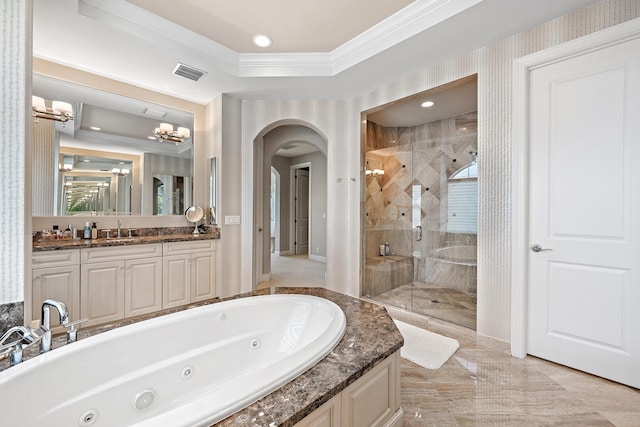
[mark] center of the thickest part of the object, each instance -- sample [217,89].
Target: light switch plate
[232,219]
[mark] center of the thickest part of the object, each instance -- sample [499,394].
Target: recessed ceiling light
[95,128]
[261,40]
[427,104]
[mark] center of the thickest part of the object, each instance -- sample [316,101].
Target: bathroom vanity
[107,280]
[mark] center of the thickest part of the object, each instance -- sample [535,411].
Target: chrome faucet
[28,336]
[119,226]
[14,348]
[45,323]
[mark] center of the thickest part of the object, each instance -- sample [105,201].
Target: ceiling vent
[188,72]
[154,113]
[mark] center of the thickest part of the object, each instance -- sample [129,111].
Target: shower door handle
[419,228]
[537,248]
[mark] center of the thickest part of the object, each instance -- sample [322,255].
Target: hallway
[295,271]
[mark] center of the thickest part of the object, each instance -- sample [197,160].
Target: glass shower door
[444,214]
[389,216]
[421,199]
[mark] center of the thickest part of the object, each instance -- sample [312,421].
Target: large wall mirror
[117,156]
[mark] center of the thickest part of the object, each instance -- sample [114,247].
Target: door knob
[537,248]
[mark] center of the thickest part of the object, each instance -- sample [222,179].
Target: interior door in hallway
[302,211]
[584,212]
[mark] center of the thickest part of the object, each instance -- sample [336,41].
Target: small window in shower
[463,200]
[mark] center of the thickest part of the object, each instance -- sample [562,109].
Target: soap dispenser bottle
[387,249]
[94,231]
[87,231]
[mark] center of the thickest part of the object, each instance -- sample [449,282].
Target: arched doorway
[288,147]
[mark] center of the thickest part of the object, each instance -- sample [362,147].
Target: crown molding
[408,22]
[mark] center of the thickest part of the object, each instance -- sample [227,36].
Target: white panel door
[584,213]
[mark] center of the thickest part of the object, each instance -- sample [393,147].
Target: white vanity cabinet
[188,272]
[371,401]
[120,281]
[109,283]
[142,286]
[56,275]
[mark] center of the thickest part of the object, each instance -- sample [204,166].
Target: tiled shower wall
[424,156]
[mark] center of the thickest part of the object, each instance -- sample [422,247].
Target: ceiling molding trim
[411,20]
[406,23]
[285,65]
[131,19]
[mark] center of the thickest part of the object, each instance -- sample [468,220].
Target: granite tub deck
[370,338]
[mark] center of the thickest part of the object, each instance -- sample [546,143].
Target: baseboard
[396,420]
[318,258]
[283,253]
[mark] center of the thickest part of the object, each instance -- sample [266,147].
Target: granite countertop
[370,337]
[53,245]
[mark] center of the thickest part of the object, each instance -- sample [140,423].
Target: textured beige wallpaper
[12,149]
[340,120]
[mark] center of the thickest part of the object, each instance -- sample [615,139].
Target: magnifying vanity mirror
[194,214]
[115,156]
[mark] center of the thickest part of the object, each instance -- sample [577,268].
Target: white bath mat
[425,348]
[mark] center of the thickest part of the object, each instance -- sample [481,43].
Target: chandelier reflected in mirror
[120,172]
[165,133]
[59,111]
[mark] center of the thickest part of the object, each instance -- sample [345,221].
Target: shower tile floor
[441,303]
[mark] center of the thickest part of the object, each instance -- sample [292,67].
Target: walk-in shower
[420,202]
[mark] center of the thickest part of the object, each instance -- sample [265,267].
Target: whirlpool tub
[189,368]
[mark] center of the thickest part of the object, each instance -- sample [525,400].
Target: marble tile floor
[482,385]
[296,271]
[446,304]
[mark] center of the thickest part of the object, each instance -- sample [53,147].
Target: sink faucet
[119,226]
[45,324]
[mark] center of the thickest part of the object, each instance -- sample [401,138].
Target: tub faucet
[45,323]
[27,336]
